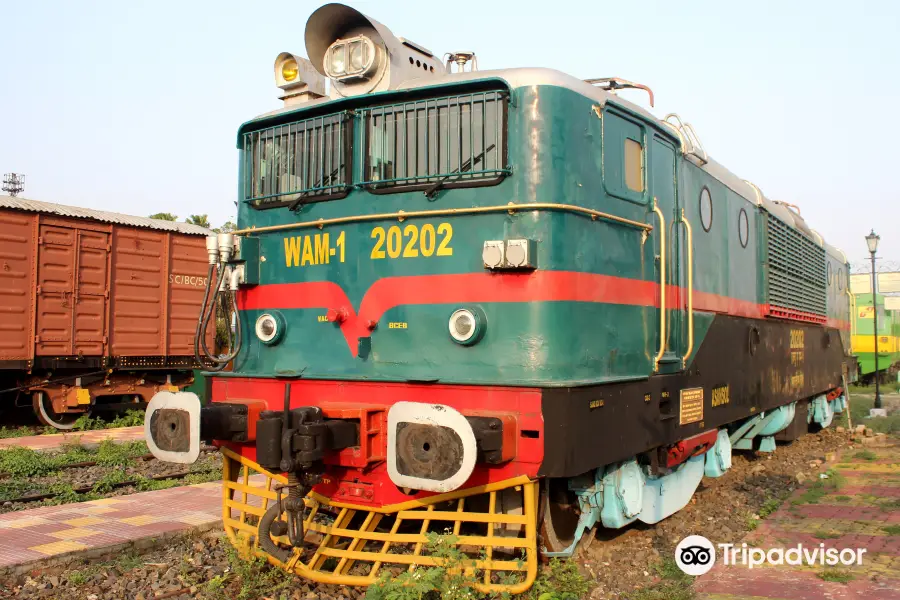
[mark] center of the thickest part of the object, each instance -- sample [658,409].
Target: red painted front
[359,475]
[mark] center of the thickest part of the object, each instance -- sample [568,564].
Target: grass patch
[15,432]
[826,535]
[842,499]
[859,410]
[836,575]
[769,506]
[131,418]
[674,584]
[562,581]
[111,454]
[889,504]
[25,465]
[247,578]
[891,529]
[25,462]
[822,487]
[751,522]
[865,455]
[448,578]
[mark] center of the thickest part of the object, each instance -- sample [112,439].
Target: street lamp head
[872,241]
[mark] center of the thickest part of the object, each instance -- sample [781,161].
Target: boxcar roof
[78,212]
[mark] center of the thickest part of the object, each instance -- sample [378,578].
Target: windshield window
[308,160]
[455,140]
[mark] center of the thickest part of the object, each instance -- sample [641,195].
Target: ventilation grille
[796,274]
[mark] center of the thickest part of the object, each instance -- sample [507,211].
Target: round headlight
[467,326]
[269,328]
[289,69]
[337,61]
[357,56]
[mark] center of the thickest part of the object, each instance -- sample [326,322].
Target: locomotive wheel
[43,409]
[558,516]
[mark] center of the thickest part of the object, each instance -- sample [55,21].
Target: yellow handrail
[690,286]
[851,308]
[511,208]
[662,285]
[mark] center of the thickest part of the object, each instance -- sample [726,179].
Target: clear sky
[133,106]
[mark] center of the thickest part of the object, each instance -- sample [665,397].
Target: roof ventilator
[690,142]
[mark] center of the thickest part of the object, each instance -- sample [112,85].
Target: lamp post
[872,242]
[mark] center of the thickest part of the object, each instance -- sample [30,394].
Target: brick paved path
[862,512]
[86,438]
[29,536]
[98,527]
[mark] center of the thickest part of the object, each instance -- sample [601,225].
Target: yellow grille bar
[349,544]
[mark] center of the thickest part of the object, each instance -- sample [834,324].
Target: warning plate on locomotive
[691,406]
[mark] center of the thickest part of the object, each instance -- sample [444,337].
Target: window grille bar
[297,160]
[407,142]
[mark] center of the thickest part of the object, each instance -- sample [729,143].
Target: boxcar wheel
[43,409]
[558,517]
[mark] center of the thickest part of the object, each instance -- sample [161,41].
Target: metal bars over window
[308,161]
[796,273]
[453,141]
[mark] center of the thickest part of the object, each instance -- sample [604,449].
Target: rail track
[89,463]
[83,480]
[112,486]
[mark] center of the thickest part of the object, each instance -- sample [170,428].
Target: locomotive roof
[534,76]
[25,204]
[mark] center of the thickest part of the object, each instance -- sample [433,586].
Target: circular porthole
[706,209]
[743,228]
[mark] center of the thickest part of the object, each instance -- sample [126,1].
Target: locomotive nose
[172,427]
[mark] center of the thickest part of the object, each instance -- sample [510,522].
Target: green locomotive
[506,304]
[863,338]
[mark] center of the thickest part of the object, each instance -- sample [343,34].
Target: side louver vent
[796,274]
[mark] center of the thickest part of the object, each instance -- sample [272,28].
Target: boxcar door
[90,298]
[663,188]
[55,291]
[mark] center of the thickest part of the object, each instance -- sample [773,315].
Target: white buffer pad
[181,401]
[437,415]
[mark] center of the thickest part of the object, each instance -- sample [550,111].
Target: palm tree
[201,220]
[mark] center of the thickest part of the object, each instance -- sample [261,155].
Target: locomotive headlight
[270,328]
[336,65]
[290,69]
[467,325]
[357,56]
[351,58]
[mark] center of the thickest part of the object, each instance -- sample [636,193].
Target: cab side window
[624,157]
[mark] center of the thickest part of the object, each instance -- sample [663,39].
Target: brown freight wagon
[94,304]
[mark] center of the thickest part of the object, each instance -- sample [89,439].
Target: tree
[164,216]
[227,227]
[201,220]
